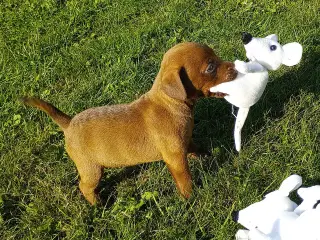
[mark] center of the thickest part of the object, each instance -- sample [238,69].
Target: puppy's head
[189,70]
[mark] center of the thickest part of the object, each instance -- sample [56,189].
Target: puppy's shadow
[214,122]
[303,78]
[11,209]
[107,186]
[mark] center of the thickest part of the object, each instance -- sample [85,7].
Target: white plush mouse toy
[309,224]
[264,54]
[261,217]
[275,218]
[310,197]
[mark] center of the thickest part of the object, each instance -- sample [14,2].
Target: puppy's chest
[174,127]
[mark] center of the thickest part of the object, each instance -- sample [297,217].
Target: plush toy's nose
[235,216]
[246,37]
[316,204]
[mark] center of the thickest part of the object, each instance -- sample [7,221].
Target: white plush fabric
[243,92]
[310,196]
[276,217]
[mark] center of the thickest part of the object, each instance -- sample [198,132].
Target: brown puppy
[156,126]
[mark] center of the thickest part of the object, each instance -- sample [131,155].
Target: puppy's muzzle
[232,73]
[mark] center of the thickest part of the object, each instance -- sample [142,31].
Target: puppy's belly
[125,152]
[112,146]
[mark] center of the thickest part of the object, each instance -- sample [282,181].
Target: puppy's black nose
[235,216]
[246,37]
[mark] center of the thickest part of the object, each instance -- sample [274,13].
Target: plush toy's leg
[255,234]
[241,118]
[242,235]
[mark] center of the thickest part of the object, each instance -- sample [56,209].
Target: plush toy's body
[270,208]
[309,221]
[276,218]
[264,54]
[247,88]
[310,197]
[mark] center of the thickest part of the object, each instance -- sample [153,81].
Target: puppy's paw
[197,154]
[241,66]
[219,95]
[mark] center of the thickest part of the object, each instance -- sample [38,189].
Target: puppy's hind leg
[179,169]
[90,175]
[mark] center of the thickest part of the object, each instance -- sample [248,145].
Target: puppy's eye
[273,47]
[211,68]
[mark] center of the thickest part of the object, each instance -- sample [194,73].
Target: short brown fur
[156,126]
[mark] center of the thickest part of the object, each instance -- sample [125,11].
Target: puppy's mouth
[218,94]
[208,93]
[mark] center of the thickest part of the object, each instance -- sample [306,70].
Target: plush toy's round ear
[290,184]
[292,54]
[273,37]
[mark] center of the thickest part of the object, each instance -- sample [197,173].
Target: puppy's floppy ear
[292,54]
[176,84]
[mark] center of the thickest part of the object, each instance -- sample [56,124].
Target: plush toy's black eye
[211,68]
[273,47]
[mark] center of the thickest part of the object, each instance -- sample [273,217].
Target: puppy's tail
[59,117]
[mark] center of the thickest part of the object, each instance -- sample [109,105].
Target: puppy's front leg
[179,169]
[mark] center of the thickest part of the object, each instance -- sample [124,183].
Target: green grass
[80,54]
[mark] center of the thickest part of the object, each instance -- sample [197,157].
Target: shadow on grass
[107,186]
[280,90]
[11,209]
[214,127]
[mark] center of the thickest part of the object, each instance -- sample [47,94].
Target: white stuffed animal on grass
[309,221]
[261,217]
[264,54]
[275,218]
[310,197]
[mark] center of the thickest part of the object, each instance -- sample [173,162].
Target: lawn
[80,54]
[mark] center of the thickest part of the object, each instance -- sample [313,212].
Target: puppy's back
[112,135]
